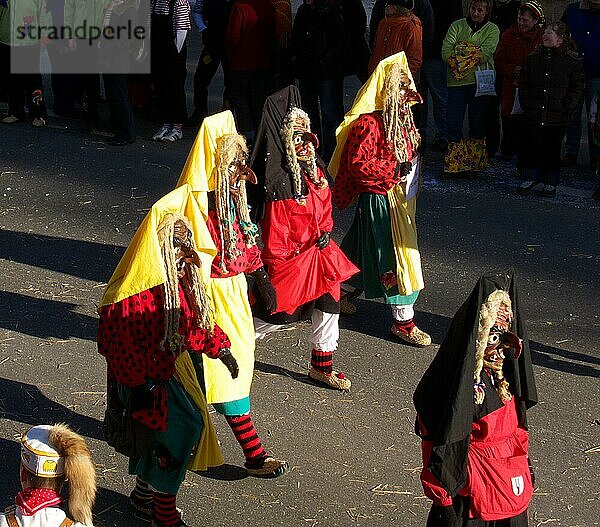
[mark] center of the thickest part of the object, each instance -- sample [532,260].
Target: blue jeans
[460,100]
[574,129]
[433,81]
[328,94]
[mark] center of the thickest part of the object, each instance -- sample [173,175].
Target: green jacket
[90,12]
[486,38]
[22,22]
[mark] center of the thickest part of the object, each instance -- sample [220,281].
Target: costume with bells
[217,174]
[304,264]
[50,457]
[471,413]
[154,317]
[376,162]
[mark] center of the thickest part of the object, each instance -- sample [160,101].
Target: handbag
[517,109]
[485,81]
[121,431]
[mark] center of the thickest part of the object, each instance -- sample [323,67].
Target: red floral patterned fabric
[367,164]
[129,337]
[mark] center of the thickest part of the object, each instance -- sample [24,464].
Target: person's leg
[331,97]
[457,105]
[477,109]
[492,120]
[121,114]
[239,82]
[439,97]
[324,340]
[309,94]
[258,462]
[208,64]
[550,158]
[573,137]
[531,154]
[592,87]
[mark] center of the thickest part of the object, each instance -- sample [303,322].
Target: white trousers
[325,330]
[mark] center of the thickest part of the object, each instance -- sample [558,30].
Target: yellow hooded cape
[369,99]
[142,268]
[229,295]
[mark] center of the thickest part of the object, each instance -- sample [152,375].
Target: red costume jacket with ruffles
[367,163]
[129,337]
[299,271]
[498,478]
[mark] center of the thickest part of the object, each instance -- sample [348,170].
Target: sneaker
[38,122]
[570,160]
[527,186]
[268,467]
[335,380]
[172,136]
[10,119]
[165,129]
[549,191]
[416,337]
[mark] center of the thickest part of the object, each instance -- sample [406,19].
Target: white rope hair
[287,136]
[201,303]
[231,148]
[398,120]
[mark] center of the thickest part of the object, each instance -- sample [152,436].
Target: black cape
[268,159]
[444,396]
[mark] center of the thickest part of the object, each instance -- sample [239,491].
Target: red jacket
[512,51]
[250,33]
[498,478]
[395,34]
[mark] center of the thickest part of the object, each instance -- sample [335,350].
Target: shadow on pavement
[88,260]
[26,404]
[546,356]
[9,482]
[44,318]
[375,319]
[284,372]
[225,472]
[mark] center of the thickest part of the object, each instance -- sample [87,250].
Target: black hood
[444,396]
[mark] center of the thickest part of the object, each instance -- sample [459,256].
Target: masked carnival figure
[376,163]
[50,457]
[216,171]
[156,321]
[471,413]
[304,264]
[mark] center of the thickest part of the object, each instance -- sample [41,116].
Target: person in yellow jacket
[217,173]
[156,317]
[377,163]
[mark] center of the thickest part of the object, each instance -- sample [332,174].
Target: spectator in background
[249,37]
[211,18]
[504,15]
[84,53]
[583,19]
[433,72]
[516,43]
[469,43]
[551,86]
[282,70]
[317,51]
[400,30]
[357,53]
[169,24]
[23,88]
[422,11]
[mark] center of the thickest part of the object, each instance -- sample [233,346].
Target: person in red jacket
[248,40]
[400,30]
[304,264]
[471,413]
[516,43]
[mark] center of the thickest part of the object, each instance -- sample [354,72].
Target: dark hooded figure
[305,266]
[471,413]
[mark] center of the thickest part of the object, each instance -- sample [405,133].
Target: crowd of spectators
[521,79]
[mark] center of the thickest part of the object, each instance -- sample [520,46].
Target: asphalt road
[68,208]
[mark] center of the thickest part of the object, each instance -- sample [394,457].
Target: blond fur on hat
[80,471]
